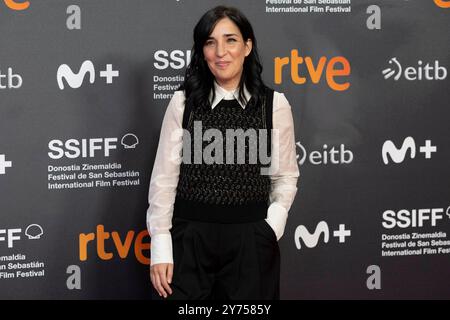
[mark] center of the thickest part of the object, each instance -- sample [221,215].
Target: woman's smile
[222,65]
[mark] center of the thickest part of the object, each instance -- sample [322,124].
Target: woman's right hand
[161,276]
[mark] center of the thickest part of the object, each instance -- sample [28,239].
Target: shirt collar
[222,93]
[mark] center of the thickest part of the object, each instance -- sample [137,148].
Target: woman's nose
[220,49]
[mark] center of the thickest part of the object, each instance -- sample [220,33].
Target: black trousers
[218,261]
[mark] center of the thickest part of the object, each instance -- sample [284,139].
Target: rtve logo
[314,72]
[442,3]
[175,59]
[75,80]
[398,155]
[427,72]
[311,240]
[15,5]
[334,155]
[121,247]
[88,148]
[11,80]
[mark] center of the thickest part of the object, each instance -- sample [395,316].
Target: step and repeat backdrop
[84,85]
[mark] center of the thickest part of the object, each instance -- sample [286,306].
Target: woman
[215,224]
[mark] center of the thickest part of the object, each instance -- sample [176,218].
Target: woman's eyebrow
[225,35]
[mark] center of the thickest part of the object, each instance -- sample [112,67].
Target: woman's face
[225,51]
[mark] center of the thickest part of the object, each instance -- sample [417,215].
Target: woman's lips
[222,64]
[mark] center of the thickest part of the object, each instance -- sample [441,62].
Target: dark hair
[199,80]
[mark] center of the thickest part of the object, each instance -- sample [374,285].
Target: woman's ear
[248,47]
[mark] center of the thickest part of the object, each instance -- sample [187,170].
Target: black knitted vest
[225,192]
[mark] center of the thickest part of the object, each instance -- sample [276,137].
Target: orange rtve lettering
[139,247]
[123,249]
[101,237]
[84,239]
[332,72]
[442,3]
[315,72]
[17,5]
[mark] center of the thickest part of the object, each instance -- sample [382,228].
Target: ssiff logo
[88,148]
[33,232]
[14,5]
[176,59]
[416,218]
